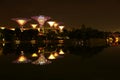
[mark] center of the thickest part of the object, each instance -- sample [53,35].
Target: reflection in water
[41,60]
[56,54]
[51,56]
[22,59]
[39,52]
[113,41]
[61,51]
[86,51]
[34,55]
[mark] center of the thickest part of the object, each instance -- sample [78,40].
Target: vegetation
[83,33]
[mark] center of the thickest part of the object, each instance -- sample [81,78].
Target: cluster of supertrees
[41,19]
[53,29]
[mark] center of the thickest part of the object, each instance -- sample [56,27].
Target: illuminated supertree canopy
[51,23]
[41,19]
[34,26]
[61,28]
[21,21]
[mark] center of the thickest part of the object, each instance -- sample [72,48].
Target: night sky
[98,14]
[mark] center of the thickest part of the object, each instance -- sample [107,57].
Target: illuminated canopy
[34,25]
[40,19]
[51,23]
[21,21]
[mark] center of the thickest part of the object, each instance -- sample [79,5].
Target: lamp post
[21,22]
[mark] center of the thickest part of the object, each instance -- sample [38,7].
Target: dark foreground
[103,66]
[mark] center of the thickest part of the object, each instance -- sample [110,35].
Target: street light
[21,22]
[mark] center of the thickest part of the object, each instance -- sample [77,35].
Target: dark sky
[100,14]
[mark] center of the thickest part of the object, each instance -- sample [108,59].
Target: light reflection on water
[41,50]
[53,51]
[76,47]
[86,62]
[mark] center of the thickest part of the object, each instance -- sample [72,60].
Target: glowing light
[13,29]
[33,41]
[61,41]
[3,44]
[116,39]
[61,51]
[21,22]
[22,59]
[2,28]
[38,29]
[40,19]
[3,39]
[34,26]
[56,24]
[61,28]
[41,60]
[39,51]
[51,56]
[56,54]
[34,55]
[51,23]
[110,40]
[17,41]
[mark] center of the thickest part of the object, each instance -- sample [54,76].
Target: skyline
[98,14]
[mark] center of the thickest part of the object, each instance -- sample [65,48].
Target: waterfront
[101,63]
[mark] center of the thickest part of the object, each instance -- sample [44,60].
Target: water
[78,62]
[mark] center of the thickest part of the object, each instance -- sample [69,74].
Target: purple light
[41,19]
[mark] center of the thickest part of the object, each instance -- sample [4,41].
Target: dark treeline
[83,33]
[87,33]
